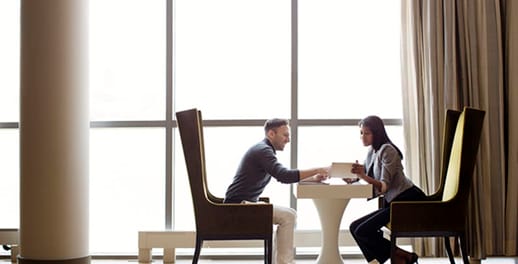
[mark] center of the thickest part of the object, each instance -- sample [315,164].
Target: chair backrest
[451,185]
[463,155]
[450,125]
[191,134]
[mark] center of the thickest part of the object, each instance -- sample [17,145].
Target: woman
[384,170]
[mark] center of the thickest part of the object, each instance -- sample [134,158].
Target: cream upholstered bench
[10,236]
[168,240]
[171,240]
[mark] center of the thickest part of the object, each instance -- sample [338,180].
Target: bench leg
[144,255]
[14,253]
[169,256]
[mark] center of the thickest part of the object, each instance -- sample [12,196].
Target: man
[257,167]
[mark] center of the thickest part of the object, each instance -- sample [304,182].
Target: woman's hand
[358,169]
[351,180]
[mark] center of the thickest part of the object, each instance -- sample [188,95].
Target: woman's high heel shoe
[413,259]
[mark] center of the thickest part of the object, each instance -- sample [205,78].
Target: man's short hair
[274,123]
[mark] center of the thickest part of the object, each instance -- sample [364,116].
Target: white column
[54,132]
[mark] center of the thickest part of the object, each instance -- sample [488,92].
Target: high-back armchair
[445,214]
[214,219]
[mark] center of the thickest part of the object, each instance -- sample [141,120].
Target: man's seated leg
[285,218]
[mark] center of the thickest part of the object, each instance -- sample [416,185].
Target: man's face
[279,137]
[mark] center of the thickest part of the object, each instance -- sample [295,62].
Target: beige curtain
[511,61]
[458,53]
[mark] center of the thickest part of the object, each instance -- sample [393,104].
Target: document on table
[342,170]
[313,183]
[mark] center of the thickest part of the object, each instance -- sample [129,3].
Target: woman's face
[366,135]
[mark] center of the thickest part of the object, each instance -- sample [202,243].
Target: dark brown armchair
[445,214]
[214,219]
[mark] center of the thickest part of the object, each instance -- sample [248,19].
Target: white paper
[342,170]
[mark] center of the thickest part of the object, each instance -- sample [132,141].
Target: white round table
[331,201]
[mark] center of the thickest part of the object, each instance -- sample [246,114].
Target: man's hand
[315,174]
[319,177]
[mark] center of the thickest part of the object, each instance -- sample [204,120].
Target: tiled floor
[308,261]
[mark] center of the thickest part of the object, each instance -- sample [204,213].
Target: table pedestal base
[330,212]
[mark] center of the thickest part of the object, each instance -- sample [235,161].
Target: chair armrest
[215,199]
[264,199]
[382,203]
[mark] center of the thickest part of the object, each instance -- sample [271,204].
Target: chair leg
[463,248]
[392,248]
[268,251]
[199,243]
[447,245]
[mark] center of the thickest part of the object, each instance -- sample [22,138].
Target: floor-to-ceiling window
[127,109]
[232,61]
[9,113]
[324,64]
[348,68]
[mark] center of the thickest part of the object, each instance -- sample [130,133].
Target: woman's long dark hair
[379,134]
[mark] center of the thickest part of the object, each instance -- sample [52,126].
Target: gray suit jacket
[385,165]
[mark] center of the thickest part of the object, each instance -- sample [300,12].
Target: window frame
[170,125]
